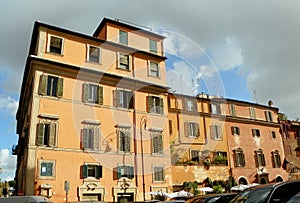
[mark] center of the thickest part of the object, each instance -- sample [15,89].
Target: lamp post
[143,122]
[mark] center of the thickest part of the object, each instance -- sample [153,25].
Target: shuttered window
[125,171]
[91,138]
[194,155]
[157,142]
[92,93]
[268,115]
[124,140]
[232,110]
[46,134]
[239,158]
[51,86]
[158,173]
[155,104]
[276,160]
[216,132]
[153,67]
[92,170]
[124,99]
[255,132]
[191,129]
[235,130]
[260,158]
[215,108]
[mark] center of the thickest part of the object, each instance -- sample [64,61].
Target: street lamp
[143,125]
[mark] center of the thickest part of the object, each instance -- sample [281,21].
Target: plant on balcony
[219,160]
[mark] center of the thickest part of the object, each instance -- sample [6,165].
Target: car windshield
[253,196]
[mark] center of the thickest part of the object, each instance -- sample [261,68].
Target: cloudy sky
[230,48]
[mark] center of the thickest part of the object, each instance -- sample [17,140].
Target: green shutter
[127,141]
[130,99]
[130,172]
[119,172]
[98,172]
[60,87]
[85,94]
[43,84]
[40,134]
[117,96]
[85,171]
[52,135]
[100,95]
[49,169]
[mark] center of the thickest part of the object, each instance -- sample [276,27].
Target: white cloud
[8,164]
[8,104]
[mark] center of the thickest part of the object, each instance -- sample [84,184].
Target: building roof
[128,25]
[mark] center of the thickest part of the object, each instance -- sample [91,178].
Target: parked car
[295,199]
[270,193]
[212,198]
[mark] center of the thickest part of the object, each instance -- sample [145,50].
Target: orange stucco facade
[95,111]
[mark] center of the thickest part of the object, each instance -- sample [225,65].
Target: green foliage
[191,187]
[219,160]
[218,188]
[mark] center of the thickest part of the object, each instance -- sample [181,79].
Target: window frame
[98,170]
[260,158]
[215,108]
[126,101]
[123,34]
[216,132]
[88,55]
[276,159]
[239,157]
[124,140]
[53,169]
[195,155]
[235,130]
[47,130]
[51,89]
[120,65]
[91,136]
[158,173]
[232,110]
[256,132]
[49,50]
[192,129]
[157,142]
[252,112]
[153,69]
[153,46]
[155,104]
[96,97]
[268,115]
[127,172]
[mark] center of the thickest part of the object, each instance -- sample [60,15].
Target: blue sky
[219,47]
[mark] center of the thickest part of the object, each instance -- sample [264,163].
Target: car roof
[197,197]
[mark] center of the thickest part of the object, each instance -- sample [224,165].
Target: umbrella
[181,193]
[252,184]
[205,189]
[239,187]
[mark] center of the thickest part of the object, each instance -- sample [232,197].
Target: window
[215,108]
[252,113]
[153,68]
[123,61]
[55,44]
[125,171]
[195,155]
[276,159]
[157,142]
[46,169]
[235,130]
[239,158]
[92,171]
[158,173]
[92,93]
[51,86]
[232,110]
[287,149]
[190,104]
[124,99]
[124,140]
[155,105]
[170,127]
[46,133]
[93,54]
[216,132]
[273,134]
[192,129]
[255,132]
[153,46]
[268,115]
[91,138]
[260,158]
[123,37]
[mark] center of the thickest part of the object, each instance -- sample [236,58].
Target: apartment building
[224,140]
[290,132]
[92,118]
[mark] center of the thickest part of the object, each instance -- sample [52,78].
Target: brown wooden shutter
[150,103]
[85,95]
[100,95]
[43,84]
[197,130]
[52,135]
[117,97]
[60,87]
[40,134]
[127,141]
[161,105]
[186,129]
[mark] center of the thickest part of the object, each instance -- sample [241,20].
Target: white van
[24,199]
